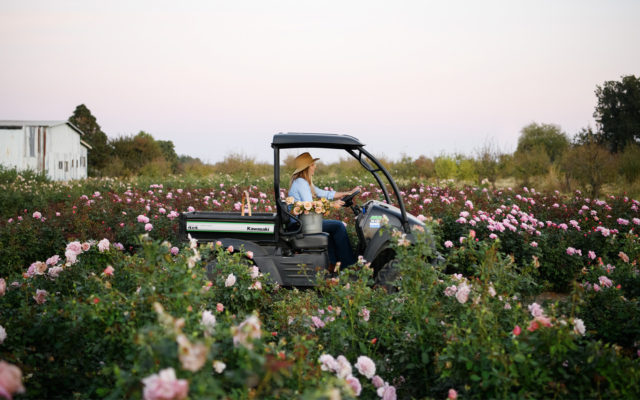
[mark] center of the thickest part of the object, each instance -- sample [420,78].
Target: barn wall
[67,158]
[55,151]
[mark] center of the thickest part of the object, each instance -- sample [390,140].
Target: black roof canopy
[320,140]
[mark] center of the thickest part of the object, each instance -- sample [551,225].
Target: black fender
[261,258]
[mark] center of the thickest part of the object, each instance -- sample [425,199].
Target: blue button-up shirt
[301,191]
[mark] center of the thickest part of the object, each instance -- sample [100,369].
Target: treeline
[546,157]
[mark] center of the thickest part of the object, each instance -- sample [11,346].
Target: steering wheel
[348,199]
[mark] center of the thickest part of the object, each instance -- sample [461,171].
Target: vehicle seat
[311,241]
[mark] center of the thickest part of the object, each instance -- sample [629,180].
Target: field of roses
[509,293]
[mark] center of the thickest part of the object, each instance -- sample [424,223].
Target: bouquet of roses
[321,206]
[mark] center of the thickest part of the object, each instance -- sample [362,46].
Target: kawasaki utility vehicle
[279,246]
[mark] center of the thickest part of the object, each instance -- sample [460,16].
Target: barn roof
[11,124]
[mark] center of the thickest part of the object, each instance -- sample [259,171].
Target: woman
[301,190]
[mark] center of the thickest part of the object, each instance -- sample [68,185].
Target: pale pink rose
[364,313]
[387,392]
[493,236]
[192,356]
[219,307]
[109,270]
[86,246]
[604,281]
[250,255]
[230,281]
[344,367]
[37,215]
[448,244]
[354,384]
[3,334]
[535,310]
[256,286]
[377,382]
[165,386]
[55,271]
[230,249]
[3,287]
[254,272]
[208,321]
[366,366]
[10,380]
[143,219]
[148,227]
[53,260]
[191,209]
[41,296]
[246,332]
[578,326]
[328,363]
[317,322]
[462,295]
[592,255]
[534,244]
[453,395]
[74,247]
[450,290]
[596,287]
[174,250]
[103,245]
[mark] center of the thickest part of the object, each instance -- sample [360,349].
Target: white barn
[54,148]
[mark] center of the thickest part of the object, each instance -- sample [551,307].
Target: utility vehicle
[279,246]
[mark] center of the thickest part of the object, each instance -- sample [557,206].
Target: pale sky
[412,77]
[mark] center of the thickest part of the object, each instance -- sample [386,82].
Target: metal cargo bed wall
[211,226]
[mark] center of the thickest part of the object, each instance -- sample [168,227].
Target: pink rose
[143,219]
[148,227]
[453,395]
[355,385]
[517,330]
[175,251]
[219,307]
[86,246]
[10,380]
[448,244]
[165,386]
[41,296]
[3,287]
[108,271]
[37,215]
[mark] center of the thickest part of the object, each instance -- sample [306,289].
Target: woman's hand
[337,203]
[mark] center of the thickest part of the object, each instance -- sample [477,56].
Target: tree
[618,112]
[100,152]
[136,151]
[547,136]
[169,153]
[591,165]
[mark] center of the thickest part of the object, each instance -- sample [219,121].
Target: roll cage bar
[332,141]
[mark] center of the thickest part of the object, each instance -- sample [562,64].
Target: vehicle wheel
[387,275]
[212,269]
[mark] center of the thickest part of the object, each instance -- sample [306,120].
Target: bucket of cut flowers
[310,213]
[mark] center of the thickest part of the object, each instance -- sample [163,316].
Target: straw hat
[303,161]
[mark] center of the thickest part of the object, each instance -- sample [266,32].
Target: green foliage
[629,163]
[618,112]
[530,163]
[445,167]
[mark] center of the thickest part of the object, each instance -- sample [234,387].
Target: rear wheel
[387,275]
